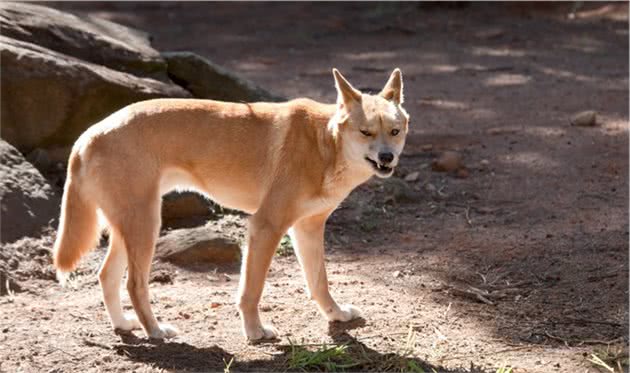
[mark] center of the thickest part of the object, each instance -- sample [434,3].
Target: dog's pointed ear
[393,90]
[346,93]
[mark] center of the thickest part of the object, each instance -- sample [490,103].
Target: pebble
[463,173]
[587,118]
[414,176]
[447,161]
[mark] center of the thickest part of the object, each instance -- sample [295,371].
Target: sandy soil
[522,260]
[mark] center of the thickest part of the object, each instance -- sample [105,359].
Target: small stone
[426,147]
[215,305]
[484,163]
[491,33]
[587,118]
[414,176]
[447,161]
[463,173]
[162,277]
[185,315]
[396,274]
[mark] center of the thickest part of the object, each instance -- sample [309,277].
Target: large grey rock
[87,38]
[197,246]
[28,202]
[205,79]
[49,98]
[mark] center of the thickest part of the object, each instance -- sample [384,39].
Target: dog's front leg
[307,236]
[264,237]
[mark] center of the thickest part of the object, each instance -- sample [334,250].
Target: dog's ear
[346,93]
[393,90]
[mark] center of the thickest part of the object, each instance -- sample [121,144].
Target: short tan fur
[289,165]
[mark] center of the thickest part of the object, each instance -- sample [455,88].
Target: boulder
[88,38]
[28,202]
[205,79]
[199,245]
[185,208]
[61,73]
[49,99]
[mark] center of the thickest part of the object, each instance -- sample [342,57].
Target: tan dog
[288,164]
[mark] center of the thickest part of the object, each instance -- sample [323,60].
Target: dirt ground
[520,261]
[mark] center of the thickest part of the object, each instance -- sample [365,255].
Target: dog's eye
[395,132]
[366,133]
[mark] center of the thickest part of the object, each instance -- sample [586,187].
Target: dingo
[289,165]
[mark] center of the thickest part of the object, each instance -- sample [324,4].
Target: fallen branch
[472,295]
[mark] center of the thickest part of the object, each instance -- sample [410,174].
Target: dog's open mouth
[379,168]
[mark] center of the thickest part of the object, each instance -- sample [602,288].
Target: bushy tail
[78,225]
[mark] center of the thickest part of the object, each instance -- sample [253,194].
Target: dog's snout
[385,157]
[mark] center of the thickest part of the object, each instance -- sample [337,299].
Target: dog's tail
[78,225]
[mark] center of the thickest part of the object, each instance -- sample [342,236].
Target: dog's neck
[341,175]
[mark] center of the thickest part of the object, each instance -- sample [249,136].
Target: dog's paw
[262,332]
[163,332]
[346,312]
[128,323]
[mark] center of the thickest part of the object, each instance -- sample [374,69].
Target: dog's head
[372,127]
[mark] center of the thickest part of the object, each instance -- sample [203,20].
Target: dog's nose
[385,157]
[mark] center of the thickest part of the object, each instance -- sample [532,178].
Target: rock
[484,164]
[87,38]
[198,245]
[462,173]
[176,206]
[161,277]
[204,79]
[490,33]
[411,177]
[587,118]
[28,202]
[49,99]
[447,162]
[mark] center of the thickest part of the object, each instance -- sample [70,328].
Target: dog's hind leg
[139,234]
[110,277]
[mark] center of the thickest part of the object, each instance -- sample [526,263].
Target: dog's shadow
[170,355]
[183,357]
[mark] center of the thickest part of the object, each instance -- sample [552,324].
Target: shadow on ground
[357,356]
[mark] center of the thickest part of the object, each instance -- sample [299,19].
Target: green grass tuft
[334,358]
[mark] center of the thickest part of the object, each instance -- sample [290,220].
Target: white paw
[261,332]
[345,312]
[164,331]
[129,322]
